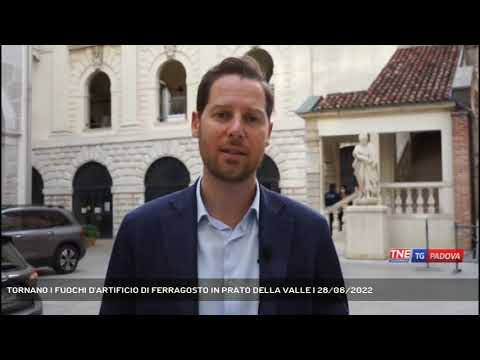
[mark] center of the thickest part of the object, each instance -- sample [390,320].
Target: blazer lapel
[275,236]
[180,230]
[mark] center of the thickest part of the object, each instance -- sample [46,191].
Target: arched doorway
[164,176]
[92,197]
[268,174]
[37,188]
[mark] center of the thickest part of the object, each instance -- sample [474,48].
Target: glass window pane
[11,221]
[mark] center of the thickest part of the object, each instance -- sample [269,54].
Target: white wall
[402,140]
[408,232]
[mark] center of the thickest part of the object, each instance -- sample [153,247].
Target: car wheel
[66,259]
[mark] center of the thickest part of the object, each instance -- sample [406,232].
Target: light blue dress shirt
[225,253]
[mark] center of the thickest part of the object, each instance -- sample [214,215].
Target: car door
[61,227]
[35,238]
[12,225]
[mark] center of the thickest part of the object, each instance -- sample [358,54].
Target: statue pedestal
[366,232]
[366,201]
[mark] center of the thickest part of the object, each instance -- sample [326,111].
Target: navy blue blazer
[159,240]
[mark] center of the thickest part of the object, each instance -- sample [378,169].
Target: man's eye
[221,115]
[252,118]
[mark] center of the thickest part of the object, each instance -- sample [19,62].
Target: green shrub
[91,231]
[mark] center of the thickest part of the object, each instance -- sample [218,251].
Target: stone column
[129,86]
[314,168]
[387,164]
[24,164]
[387,158]
[446,195]
[375,140]
[60,89]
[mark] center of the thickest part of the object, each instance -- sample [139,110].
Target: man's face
[233,129]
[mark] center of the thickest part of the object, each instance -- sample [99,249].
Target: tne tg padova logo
[425,255]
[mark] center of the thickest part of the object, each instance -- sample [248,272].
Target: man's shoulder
[296,209]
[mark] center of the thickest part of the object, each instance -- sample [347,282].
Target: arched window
[164,176]
[268,174]
[92,197]
[172,91]
[37,188]
[264,60]
[100,101]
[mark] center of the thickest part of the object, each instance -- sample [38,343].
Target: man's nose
[236,126]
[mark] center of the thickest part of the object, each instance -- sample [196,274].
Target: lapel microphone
[265,254]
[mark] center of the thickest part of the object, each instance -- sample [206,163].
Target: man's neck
[227,201]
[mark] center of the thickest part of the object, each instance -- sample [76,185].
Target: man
[343,194]
[331,197]
[226,226]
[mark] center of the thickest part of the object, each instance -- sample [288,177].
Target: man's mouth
[233,151]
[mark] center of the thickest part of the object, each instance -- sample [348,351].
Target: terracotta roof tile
[420,74]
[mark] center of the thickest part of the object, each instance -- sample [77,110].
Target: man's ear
[195,124]
[270,126]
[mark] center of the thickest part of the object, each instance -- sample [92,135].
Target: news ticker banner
[465,289]
[407,255]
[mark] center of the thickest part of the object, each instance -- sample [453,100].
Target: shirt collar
[202,211]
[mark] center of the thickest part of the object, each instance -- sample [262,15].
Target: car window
[12,221]
[11,259]
[35,219]
[56,218]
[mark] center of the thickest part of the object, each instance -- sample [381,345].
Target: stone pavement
[92,266]
[382,269]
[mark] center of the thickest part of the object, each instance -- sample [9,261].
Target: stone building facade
[145,127]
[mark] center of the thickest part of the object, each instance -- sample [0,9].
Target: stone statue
[365,168]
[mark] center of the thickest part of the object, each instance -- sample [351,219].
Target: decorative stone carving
[366,171]
[170,50]
[97,60]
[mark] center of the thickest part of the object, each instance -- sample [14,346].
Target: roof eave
[443,105]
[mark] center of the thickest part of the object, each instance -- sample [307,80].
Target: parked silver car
[45,236]
[17,273]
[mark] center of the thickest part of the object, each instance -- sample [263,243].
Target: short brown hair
[245,67]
